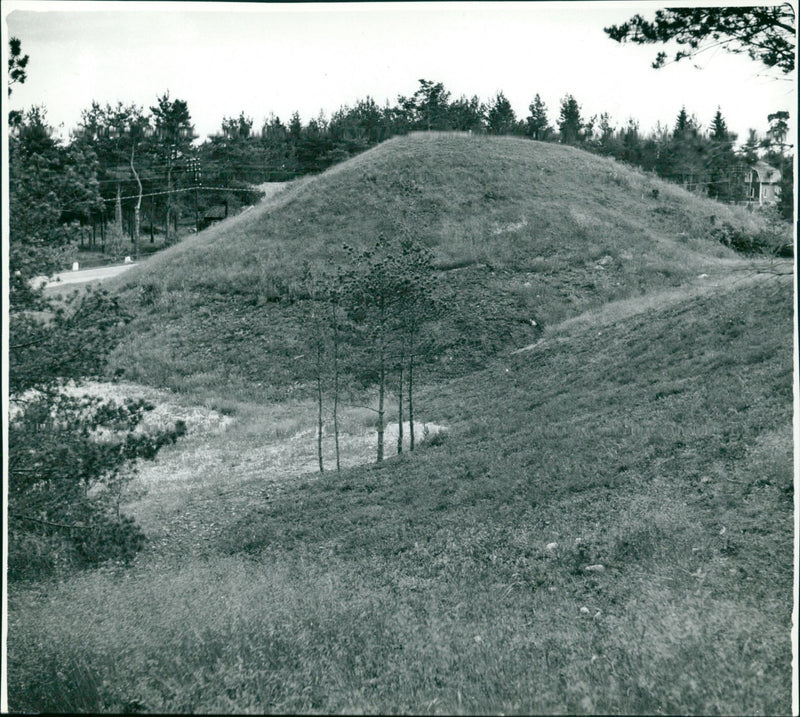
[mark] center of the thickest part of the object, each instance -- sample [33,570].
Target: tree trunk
[336,383]
[136,210]
[400,409]
[411,394]
[381,392]
[118,208]
[319,397]
[169,203]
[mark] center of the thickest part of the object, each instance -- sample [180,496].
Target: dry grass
[659,446]
[540,231]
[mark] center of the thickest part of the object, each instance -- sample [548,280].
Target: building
[214,214]
[763,184]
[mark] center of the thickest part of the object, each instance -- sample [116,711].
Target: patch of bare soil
[167,408]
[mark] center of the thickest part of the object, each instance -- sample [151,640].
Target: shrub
[774,238]
[738,239]
[72,459]
[149,294]
[432,438]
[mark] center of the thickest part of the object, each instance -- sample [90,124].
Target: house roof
[767,174]
[218,211]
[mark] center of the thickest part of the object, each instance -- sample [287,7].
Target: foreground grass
[657,445]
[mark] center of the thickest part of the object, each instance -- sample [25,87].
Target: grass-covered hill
[607,529]
[520,231]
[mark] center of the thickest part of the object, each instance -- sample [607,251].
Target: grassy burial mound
[524,234]
[607,529]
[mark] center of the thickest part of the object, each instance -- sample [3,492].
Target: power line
[186,189]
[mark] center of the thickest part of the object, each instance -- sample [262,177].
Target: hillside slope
[521,231]
[464,578]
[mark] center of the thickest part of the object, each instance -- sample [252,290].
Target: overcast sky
[264,58]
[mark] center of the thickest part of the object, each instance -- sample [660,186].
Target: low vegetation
[524,234]
[460,579]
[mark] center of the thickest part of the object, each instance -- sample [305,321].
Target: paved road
[86,275]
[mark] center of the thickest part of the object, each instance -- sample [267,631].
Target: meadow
[605,525]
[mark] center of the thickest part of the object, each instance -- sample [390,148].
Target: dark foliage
[70,456]
[766,34]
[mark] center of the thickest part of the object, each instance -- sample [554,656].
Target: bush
[774,239]
[149,293]
[432,439]
[738,240]
[72,459]
[110,539]
[33,556]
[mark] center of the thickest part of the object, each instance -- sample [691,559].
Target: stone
[550,547]
[595,568]
[75,266]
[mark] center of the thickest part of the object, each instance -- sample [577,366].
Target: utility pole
[194,165]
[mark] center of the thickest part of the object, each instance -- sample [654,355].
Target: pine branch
[47,522]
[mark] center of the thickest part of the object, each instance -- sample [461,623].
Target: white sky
[264,58]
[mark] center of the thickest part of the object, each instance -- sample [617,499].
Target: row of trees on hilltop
[701,159]
[131,175]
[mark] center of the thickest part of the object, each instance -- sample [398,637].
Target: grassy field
[605,525]
[658,446]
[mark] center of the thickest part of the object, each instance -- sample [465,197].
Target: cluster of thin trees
[367,324]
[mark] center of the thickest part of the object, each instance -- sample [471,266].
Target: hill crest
[542,231]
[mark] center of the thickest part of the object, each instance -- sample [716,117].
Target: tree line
[133,178]
[702,160]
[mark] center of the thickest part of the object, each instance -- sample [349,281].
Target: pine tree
[570,124]
[467,114]
[64,485]
[174,134]
[538,124]
[500,118]
[725,180]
